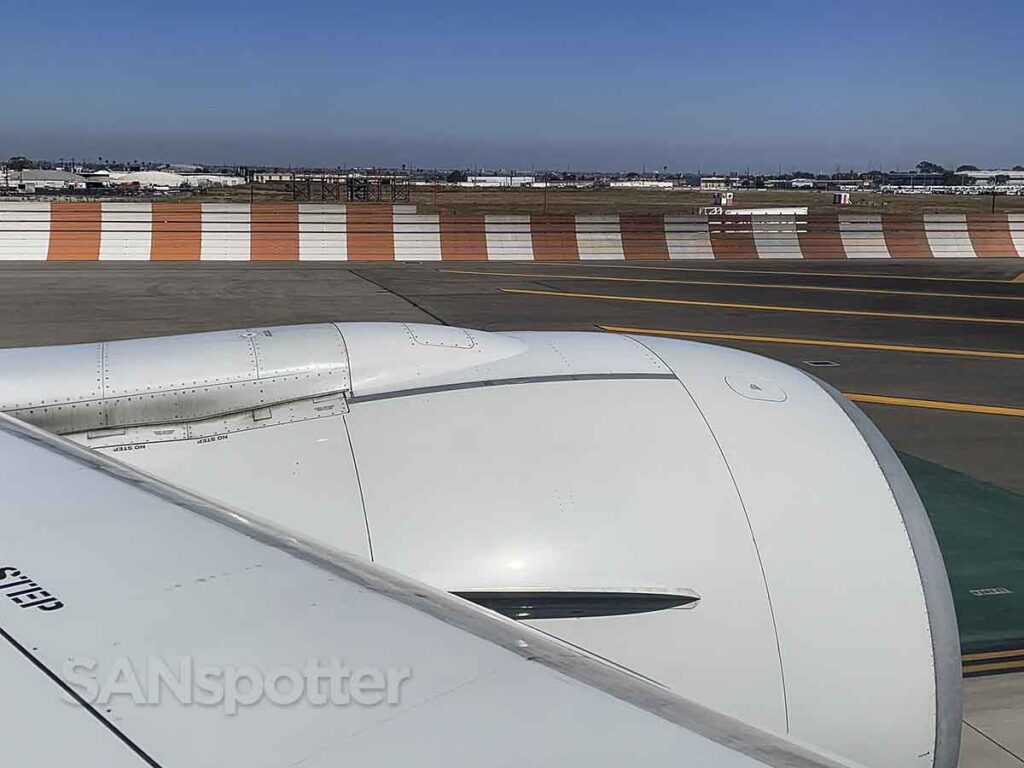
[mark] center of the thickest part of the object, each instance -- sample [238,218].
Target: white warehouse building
[499,181]
[999,177]
[31,179]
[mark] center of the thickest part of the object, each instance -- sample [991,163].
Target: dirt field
[461,200]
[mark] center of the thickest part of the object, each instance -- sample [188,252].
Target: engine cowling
[719,522]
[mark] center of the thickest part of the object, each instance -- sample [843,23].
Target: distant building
[805,182]
[915,179]
[270,177]
[642,184]
[499,181]
[715,182]
[566,184]
[168,180]
[993,177]
[798,210]
[722,210]
[32,179]
[100,178]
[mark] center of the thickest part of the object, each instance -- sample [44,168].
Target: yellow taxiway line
[999,666]
[816,342]
[985,655]
[936,405]
[906,402]
[764,307]
[864,275]
[993,661]
[731,284]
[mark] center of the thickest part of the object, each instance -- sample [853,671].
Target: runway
[932,350]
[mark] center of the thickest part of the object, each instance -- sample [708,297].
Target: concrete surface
[993,735]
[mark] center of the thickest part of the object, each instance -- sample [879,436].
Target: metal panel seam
[750,527]
[359,485]
[78,699]
[103,381]
[506,382]
[250,336]
[179,389]
[348,361]
[351,446]
[188,425]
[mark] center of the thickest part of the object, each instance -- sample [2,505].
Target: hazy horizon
[586,86]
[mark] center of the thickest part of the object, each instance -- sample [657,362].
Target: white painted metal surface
[312,487]
[542,486]
[393,357]
[57,388]
[151,573]
[46,728]
[402,356]
[837,560]
[171,379]
[564,461]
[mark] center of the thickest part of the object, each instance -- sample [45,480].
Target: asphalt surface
[934,350]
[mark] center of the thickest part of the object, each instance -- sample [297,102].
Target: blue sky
[599,84]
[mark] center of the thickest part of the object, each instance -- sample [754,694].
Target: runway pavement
[932,350]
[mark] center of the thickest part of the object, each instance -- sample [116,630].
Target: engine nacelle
[719,522]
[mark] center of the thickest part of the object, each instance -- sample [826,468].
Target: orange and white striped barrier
[367,232]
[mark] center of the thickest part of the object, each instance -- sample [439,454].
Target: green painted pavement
[980,528]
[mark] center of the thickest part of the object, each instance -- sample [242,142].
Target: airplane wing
[143,625]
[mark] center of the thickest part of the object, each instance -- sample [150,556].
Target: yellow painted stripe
[908,402]
[764,307]
[817,342]
[864,275]
[937,405]
[997,666]
[731,284]
[993,655]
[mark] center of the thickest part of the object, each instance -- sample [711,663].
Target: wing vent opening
[576,604]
